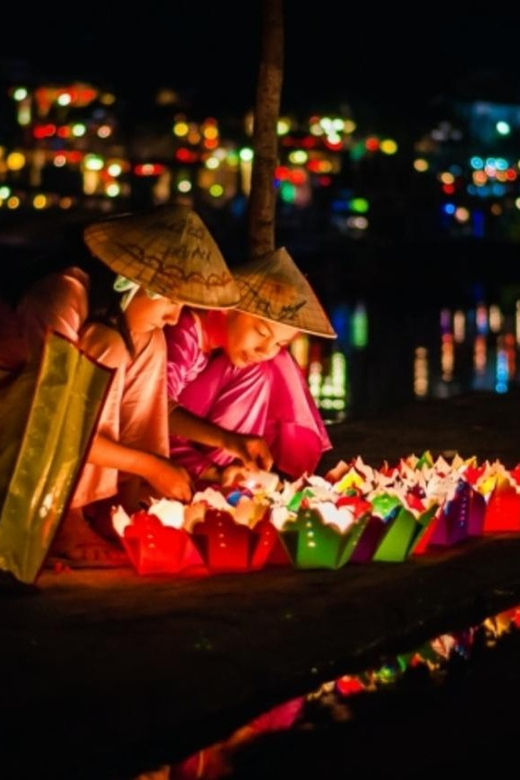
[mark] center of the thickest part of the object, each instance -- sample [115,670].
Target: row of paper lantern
[384,529]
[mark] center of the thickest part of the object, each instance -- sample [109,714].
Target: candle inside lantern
[262,480]
[342,516]
[281,515]
[170,513]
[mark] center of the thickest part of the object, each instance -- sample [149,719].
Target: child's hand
[251,450]
[170,481]
[234,474]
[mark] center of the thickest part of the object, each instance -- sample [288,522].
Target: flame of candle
[170,513]
[342,516]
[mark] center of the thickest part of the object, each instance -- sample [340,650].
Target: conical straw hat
[273,288]
[167,250]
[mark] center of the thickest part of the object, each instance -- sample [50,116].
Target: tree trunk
[262,198]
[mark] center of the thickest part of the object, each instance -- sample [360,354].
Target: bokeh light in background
[473,350]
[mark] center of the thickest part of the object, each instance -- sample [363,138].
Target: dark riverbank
[105,674]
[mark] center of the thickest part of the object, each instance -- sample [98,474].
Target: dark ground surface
[105,674]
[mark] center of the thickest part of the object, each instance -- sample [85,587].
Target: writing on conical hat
[273,300]
[170,251]
[274,288]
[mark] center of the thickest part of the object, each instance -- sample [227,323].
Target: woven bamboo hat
[167,250]
[274,288]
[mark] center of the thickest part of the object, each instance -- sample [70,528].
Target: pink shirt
[136,410]
[57,302]
[269,399]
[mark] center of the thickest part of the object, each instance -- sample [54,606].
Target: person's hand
[336,473]
[170,481]
[251,450]
[235,474]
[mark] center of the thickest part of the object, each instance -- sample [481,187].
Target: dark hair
[104,303]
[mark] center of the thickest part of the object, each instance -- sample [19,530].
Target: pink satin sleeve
[269,399]
[295,430]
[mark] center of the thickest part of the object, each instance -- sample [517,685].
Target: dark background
[396,58]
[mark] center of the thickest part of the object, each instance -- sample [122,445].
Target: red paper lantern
[503,510]
[223,544]
[154,548]
[268,549]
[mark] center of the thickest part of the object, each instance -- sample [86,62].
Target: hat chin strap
[128,287]
[127,297]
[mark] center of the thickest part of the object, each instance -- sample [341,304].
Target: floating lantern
[268,548]
[357,504]
[311,543]
[226,545]
[503,509]
[460,517]
[403,532]
[366,515]
[373,531]
[154,548]
[223,544]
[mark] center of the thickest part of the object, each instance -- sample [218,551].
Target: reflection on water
[435,665]
[384,355]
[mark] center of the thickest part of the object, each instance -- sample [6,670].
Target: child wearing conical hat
[151,265]
[238,398]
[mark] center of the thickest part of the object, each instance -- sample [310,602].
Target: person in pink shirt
[151,265]
[238,399]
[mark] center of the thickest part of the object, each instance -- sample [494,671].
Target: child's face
[144,313]
[253,340]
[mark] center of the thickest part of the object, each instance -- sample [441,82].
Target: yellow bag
[48,414]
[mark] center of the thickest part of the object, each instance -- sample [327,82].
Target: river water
[384,357]
[443,708]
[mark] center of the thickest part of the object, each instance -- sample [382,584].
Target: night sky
[335,52]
